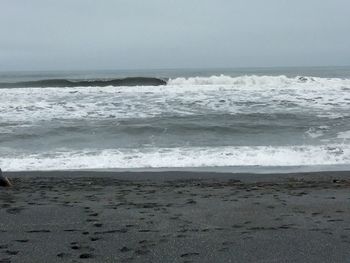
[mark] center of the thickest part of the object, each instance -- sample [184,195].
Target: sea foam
[181,97]
[314,112]
[181,157]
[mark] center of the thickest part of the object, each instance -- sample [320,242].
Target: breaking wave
[247,80]
[182,157]
[263,81]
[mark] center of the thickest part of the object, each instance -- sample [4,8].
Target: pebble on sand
[4,181]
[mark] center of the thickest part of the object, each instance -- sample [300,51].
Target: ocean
[258,118]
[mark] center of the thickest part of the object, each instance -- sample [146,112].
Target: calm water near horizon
[327,72]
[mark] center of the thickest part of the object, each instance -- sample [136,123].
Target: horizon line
[170,69]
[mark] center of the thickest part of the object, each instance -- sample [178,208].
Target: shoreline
[207,169]
[182,175]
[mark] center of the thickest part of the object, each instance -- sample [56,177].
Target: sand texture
[175,217]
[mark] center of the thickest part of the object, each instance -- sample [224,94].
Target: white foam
[260,81]
[217,94]
[181,157]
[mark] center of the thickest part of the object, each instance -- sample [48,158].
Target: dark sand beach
[175,217]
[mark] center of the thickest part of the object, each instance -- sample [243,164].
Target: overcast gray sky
[136,34]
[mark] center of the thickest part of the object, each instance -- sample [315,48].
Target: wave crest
[131,81]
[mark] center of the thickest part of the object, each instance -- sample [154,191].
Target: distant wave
[131,81]
[246,81]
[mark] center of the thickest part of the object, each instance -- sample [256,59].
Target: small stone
[4,181]
[86,255]
[75,247]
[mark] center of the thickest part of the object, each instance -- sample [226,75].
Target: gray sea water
[268,117]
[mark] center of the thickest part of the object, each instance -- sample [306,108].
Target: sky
[156,34]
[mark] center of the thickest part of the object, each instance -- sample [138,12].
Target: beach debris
[4,181]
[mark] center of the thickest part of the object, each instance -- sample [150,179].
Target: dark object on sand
[4,181]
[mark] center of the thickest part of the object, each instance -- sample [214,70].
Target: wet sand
[175,217]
